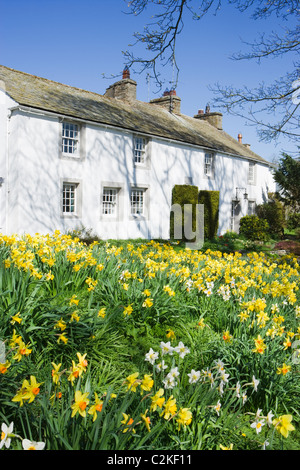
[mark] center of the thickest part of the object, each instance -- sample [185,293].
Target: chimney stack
[214,118]
[124,90]
[169,101]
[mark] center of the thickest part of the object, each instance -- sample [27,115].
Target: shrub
[273,213]
[183,195]
[254,228]
[210,199]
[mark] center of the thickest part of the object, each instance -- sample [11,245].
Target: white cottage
[71,158]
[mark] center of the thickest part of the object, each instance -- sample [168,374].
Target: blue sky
[76,42]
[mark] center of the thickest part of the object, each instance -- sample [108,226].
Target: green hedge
[210,199]
[188,194]
[183,194]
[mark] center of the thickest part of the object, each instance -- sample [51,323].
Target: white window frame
[251,207]
[135,205]
[70,139]
[140,150]
[209,164]
[109,201]
[71,198]
[251,172]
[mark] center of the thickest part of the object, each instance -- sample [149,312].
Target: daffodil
[132,382]
[6,435]
[184,417]
[55,372]
[82,364]
[257,425]
[284,369]
[74,372]
[146,420]
[151,356]
[23,350]
[170,408]
[226,447]
[157,400]
[127,421]
[32,445]
[147,383]
[148,302]
[33,388]
[127,310]
[194,376]
[283,425]
[4,367]
[81,402]
[96,408]
[181,349]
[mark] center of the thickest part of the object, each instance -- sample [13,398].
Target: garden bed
[142,346]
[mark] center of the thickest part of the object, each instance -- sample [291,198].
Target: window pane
[69,138]
[139,149]
[137,201]
[109,201]
[69,193]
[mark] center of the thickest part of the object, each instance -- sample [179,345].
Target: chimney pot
[240,138]
[126,73]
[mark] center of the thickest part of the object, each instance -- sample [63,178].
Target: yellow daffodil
[260,345]
[127,310]
[82,364]
[146,420]
[157,400]
[127,421]
[16,319]
[55,372]
[132,382]
[284,369]
[23,350]
[102,312]
[74,300]
[62,338]
[283,425]
[184,417]
[81,403]
[147,383]
[148,302]
[226,448]
[170,408]
[74,373]
[4,367]
[96,408]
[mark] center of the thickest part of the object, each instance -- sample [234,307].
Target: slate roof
[153,120]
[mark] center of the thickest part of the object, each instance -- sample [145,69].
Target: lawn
[142,345]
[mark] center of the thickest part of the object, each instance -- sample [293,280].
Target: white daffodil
[6,434]
[151,356]
[32,445]
[257,425]
[169,381]
[166,348]
[255,383]
[181,349]
[174,372]
[161,366]
[194,376]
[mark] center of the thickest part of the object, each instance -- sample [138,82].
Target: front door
[236,215]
